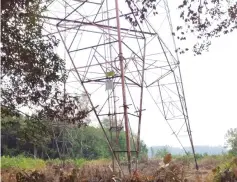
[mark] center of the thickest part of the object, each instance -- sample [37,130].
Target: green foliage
[29,66]
[143,150]
[231,140]
[21,135]
[31,137]
[185,159]
[122,141]
[21,162]
[79,162]
[226,171]
[200,157]
[90,141]
[31,72]
[162,152]
[206,19]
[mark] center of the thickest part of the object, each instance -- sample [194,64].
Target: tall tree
[231,140]
[22,134]
[30,68]
[32,74]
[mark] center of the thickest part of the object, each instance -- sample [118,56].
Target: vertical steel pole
[141,103]
[123,87]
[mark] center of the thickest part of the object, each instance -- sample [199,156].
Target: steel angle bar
[183,104]
[166,120]
[90,24]
[112,18]
[162,76]
[92,105]
[95,46]
[86,1]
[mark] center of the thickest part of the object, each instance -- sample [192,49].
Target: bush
[79,162]
[21,162]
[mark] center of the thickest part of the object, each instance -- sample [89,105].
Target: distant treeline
[209,150]
[42,139]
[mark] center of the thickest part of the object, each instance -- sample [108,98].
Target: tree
[32,73]
[144,150]
[207,19]
[30,68]
[231,140]
[106,123]
[162,152]
[21,134]
[32,137]
[64,107]
[152,152]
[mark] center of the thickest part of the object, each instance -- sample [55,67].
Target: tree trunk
[35,152]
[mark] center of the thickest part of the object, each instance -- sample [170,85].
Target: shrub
[21,162]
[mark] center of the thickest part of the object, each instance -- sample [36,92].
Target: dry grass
[99,171]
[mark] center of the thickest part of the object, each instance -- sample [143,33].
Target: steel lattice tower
[116,63]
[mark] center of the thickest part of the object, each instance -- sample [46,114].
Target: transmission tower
[115,63]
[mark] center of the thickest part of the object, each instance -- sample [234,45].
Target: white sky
[210,83]
[210,87]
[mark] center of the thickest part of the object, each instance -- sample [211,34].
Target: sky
[210,88]
[210,85]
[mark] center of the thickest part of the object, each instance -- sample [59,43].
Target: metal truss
[114,63]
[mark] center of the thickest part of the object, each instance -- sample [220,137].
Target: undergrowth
[170,169]
[22,162]
[226,171]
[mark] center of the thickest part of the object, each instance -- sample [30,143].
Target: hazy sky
[210,85]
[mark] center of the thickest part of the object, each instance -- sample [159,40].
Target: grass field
[175,169]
